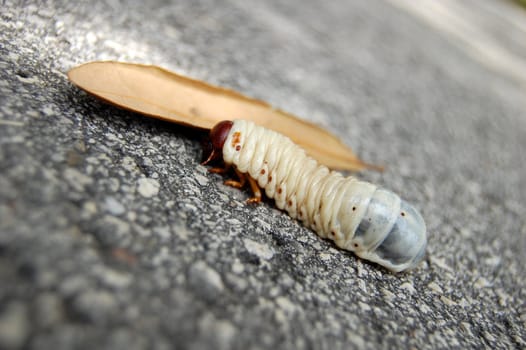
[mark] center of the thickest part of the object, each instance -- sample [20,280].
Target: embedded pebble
[219,332]
[493,261]
[72,285]
[482,282]
[148,187]
[49,310]
[76,179]
[95,305]
[326,257]
[113,206]
[440,262]
[435,287]
[49,110]
[447,301]
[116,226]
[364,306]
[388,294]
[262,251]
[147,162]
[408,287]
[181,231]
[206,281]
[201,180]
[128,163]
[163,232]
[113,278]
[286,305]
[14,325]
[237,267]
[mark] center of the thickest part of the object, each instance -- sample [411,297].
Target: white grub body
[358,216]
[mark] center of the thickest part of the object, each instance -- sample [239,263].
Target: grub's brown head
[219,133]
[218,136]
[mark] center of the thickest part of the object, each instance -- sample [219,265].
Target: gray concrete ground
[112,236]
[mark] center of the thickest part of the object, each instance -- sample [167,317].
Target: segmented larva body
[358,216]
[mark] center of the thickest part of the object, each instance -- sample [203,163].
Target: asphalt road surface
[113,236]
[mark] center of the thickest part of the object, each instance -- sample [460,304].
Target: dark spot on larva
[353,208]
[236,138]
[402,213]
[238,147]
[290,203]
[280,190]
[314,222]
[262,172]
[300,213]
[355,245]
[319,208]
[333,233]
[270,178]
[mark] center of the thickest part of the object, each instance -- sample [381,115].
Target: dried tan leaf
[162,94]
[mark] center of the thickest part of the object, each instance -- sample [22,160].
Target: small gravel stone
[206,281]
[95,305]
[221,333]
[76,179]
[113,206]
[260,250]
[148,187]
[49,310]
[14,325]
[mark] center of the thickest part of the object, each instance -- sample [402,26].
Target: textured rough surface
[113,236]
